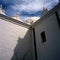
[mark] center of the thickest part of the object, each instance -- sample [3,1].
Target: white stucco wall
[15,42]
[49,50]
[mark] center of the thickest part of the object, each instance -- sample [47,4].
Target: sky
[27,8]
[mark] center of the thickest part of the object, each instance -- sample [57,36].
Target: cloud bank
[27,7]
[34,5]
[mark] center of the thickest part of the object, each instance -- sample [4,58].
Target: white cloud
[33,5]
[24,18]
[50,3]
[28,6]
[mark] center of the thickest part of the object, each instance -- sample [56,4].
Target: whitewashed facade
[47,35]
[15,40]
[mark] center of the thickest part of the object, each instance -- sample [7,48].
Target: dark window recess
[43,37]
[58,19]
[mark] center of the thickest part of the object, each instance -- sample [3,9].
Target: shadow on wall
[23,49]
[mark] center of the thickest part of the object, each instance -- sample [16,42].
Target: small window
[43,37]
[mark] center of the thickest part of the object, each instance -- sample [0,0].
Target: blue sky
[27,8]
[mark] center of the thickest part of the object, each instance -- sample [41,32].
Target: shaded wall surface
[15,42]
[48,49]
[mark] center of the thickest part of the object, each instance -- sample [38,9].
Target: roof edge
[6,18]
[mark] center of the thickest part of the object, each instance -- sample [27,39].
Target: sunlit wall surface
[15,42]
